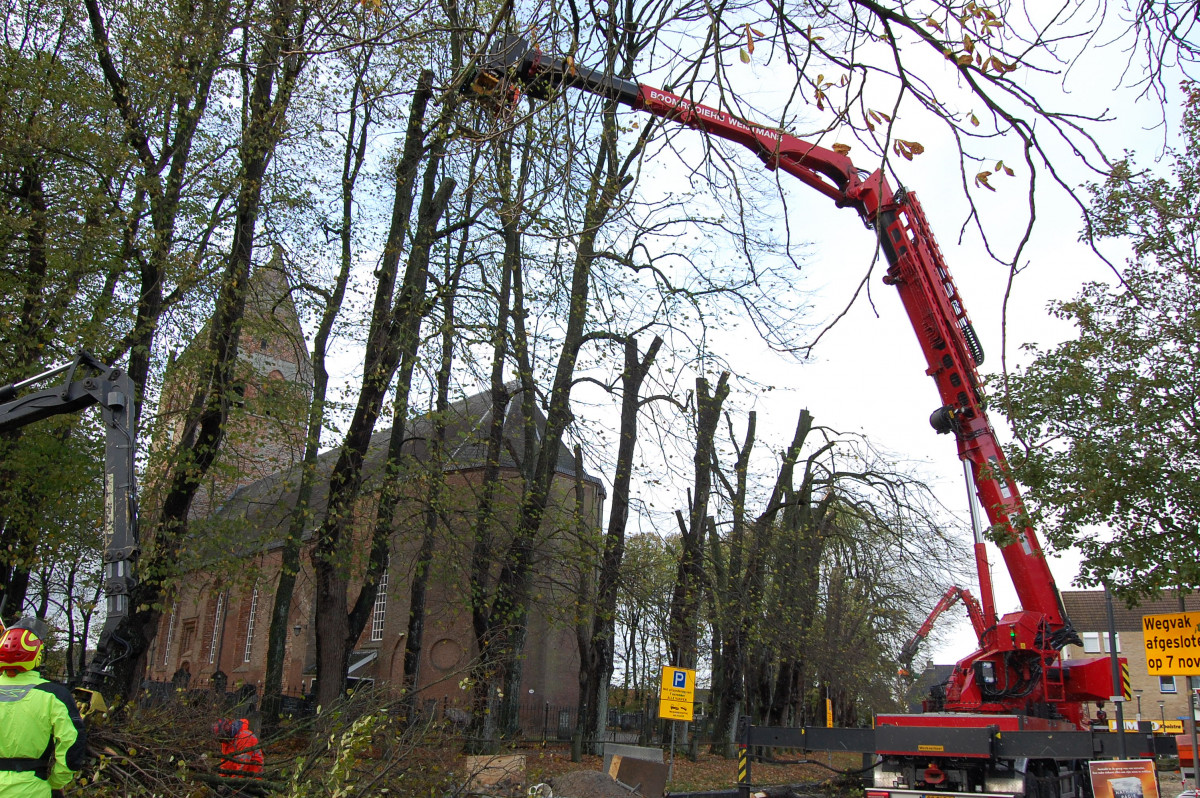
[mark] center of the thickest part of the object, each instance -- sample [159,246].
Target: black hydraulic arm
[89,382]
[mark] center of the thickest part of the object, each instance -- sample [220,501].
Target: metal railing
[540,723]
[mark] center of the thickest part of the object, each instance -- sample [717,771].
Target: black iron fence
[218,695]
[539,722]
[546,722]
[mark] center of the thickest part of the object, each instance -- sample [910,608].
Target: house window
[1166,684]
[1193,682]
[1097,642]
[216,630]
[380,611]
[250,626]
[170,633]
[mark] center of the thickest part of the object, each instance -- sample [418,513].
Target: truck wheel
[1083,780]
[1041,780]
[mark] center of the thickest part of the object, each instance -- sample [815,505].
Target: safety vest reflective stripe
[20,764]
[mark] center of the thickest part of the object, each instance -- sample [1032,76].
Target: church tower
[267,423]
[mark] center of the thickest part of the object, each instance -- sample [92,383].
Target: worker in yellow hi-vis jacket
[42,744]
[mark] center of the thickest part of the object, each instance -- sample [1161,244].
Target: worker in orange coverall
[241,756]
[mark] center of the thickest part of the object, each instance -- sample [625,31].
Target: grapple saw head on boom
[512,66]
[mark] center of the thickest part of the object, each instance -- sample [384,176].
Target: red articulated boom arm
[951,597]
[1018,665]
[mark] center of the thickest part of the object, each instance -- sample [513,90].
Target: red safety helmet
[226,729]
[22,647]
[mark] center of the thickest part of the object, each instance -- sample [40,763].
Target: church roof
[266,503]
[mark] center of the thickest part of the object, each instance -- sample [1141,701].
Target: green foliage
[61,167]
[1109,420]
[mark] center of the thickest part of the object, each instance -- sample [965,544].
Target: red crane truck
[1010,720]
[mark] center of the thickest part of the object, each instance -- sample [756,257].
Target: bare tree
[689,578]
[596,628]
[394,325]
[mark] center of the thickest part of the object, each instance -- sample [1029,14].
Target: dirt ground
[707,773]
[716,773]
[1170,784]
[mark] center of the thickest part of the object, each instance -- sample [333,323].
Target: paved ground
[1170,784]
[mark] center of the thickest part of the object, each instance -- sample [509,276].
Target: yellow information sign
[1172,644]
[676,698]
[1170,727]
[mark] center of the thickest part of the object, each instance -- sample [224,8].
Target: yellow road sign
[676,698]
[1126,682]
[1172,644]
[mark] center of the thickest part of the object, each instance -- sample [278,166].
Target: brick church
[218,620]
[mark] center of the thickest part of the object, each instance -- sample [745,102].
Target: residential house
[1155,698]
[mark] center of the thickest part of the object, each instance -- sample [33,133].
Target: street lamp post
[1118,696]
[1191,712]
[1138,694]
[1162,716]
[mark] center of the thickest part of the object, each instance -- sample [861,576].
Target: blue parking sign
[677,697]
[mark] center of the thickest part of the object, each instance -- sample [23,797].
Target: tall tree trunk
[412,308]
[289,565]
[500,628]
[508,306]
[436,478]
[204,425]
[378,367]
[392,338]
[19,539]
[685,597]
[500,658]
[596,649]
[729,699]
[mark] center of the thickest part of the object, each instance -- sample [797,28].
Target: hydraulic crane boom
[89,382]
[1018,664]
[951,597]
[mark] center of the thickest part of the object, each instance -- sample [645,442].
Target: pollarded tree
[596,628]
[1109,420]
[826,580]
[689,577]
